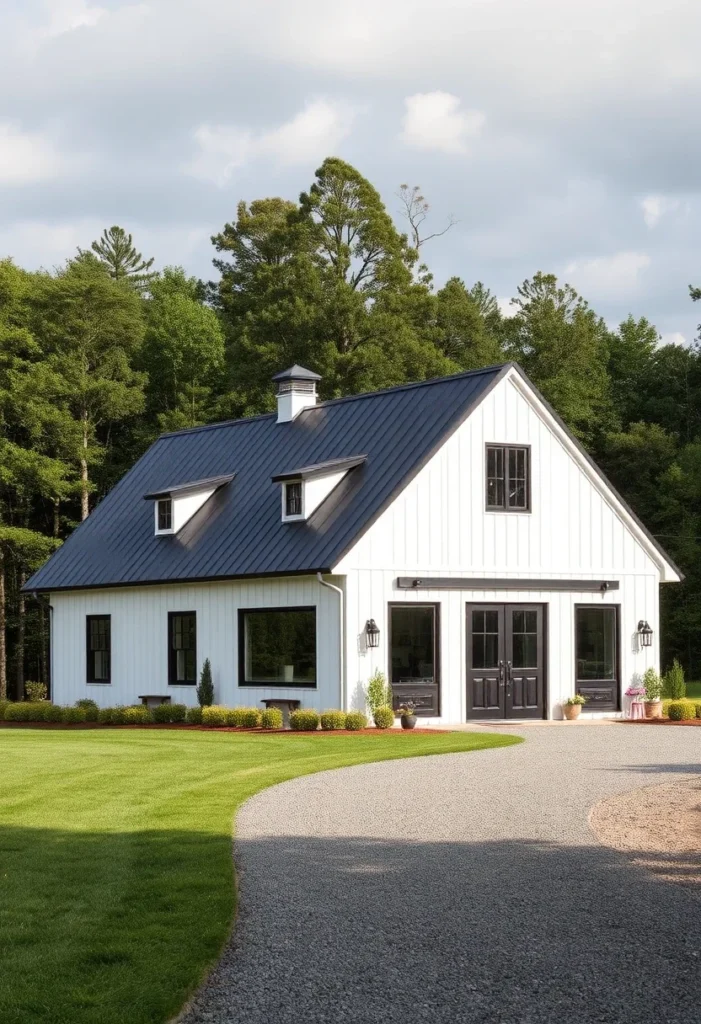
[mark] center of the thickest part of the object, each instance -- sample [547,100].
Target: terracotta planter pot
[572,711]
[653,709]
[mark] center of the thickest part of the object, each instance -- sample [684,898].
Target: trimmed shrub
[25,711]
[119,715]
[698,709]
[166,713]
[161,713]
[90,707]
[271,718]
[681,710]
[205,690]
[379,693]
[674,685]
[178,712]
[35,691]
[384,717]
[304,720]
[54,713]
[104,716]
[356,720]
[243,718]
[214,715]
[331,720]
[137,714]
[72,716]
[4,704]
[193,716]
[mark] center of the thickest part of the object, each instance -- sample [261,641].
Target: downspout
[341,636]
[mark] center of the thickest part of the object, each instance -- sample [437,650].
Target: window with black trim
[182,648]
[165,514]
[508,478]
[293,499]
[277,647]
[98,648]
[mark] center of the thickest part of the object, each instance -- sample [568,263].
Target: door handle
[501,673]
[508,672]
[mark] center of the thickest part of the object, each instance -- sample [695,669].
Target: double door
[505,661]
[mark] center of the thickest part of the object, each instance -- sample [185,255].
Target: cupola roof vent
[296,390]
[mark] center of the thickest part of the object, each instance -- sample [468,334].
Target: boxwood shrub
[4,704]
[250,719]
[214,715]
[54,713]
[681,710]
[193,716]
[91,709]
[169,713]
[26,711]
[356,720]
[137,714]
[331,720]
[384,717]
[104,716]
[72,716]
[304,720]
[271,718]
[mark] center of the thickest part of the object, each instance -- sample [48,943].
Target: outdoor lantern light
[645,633]
[372,632]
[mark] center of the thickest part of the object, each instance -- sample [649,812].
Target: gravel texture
[659,826]
[461,888]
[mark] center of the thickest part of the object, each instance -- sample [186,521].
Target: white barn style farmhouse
[451,533]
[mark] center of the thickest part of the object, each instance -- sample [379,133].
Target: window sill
[276,686]
[181,683]
[98,682]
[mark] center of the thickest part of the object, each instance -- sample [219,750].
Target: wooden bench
[285,705]
[151,699]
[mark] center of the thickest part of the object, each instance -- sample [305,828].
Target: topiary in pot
[653,692]
[406,713]
[271,718]
[356,720]
[573,706]
[384,717]
[331,720]
[304,720]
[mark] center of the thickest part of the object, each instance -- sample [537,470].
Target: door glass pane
[525,638]
[596,643]
[485,639]
[413,644]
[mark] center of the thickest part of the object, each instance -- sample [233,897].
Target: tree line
[101,355]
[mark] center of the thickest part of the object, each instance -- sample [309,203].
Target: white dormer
[304,489]
[175,506]
[296,390]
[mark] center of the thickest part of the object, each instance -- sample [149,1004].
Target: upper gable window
[293,499]
[165,515]
[508,478]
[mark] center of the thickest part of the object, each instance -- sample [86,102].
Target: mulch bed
[656,721]
[216,728]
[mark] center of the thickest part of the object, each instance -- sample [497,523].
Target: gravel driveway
[461,888]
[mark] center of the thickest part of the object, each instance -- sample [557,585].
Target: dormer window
[293,499]
[165,515]
[175,506]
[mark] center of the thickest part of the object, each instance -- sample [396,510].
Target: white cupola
[296,390]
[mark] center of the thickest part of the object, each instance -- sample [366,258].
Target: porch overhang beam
[503,583]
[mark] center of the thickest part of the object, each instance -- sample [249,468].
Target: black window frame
[169,503]
[172,651]
[299,488]
[242,681]
[596,689]
[90,650]
[505,449]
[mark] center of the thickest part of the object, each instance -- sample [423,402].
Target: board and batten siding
[139,621]
[439,526]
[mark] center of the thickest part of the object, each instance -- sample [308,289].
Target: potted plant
[572,707]
[652,684]
[406,712]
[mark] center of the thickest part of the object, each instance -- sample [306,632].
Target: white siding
[140,640]
[438,526]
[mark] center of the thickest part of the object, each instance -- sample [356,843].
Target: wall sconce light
[372,633]
[645,633]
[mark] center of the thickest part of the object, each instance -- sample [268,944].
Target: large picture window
[596,638]
[99,648]
[277,647]
[508,478]
[182,648]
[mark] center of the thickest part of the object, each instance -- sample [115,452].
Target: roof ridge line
[344,398]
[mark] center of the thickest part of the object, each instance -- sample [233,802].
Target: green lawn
[693,689]
[116,884]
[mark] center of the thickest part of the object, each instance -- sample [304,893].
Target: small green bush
[72,716]
[214,715]
[35,691]
[681,710]
[205,690]
[178,712]
[652,684]
[304,720]
[674,686]
[104,716]
[251,718]
[4,704]
[193,716]
[356,720]
[331,720]
[119,716]
[54,713]
[379,693]
[91,709]
[235,716]
[167,713]
[138,714]
[161,713]
[26,711]
[384,717]
[271,718]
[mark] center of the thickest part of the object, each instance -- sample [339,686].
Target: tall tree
[115,249]
[462,330]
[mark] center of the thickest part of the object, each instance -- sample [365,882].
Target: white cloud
[507,308]
[434,120]
[26,157]
[68,15]
[655,207]
[674,338]
[314,132]
[608,277]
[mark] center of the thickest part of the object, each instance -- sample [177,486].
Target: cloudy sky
[562,135]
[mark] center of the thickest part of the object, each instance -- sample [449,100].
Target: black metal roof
[321,468]
[180,490]
[239,531]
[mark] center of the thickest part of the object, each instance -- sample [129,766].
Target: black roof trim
[296,372]
[320,468]
[191,487]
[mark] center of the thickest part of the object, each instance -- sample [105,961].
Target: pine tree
[205,690]
[116,251]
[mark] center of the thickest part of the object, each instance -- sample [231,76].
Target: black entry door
[414,664]
[505,661]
